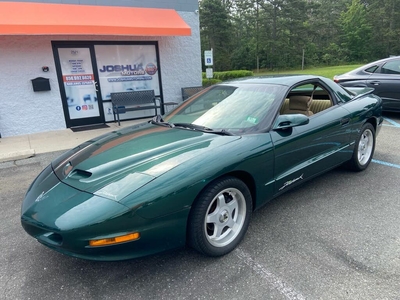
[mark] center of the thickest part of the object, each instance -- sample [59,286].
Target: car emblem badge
[40,197]
[287,183]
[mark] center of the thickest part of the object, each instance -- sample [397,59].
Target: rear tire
[220,216]
[363,149]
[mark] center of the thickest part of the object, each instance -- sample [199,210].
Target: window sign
[78,79]
[127,68]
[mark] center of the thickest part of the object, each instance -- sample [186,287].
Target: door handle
[375,82]
[344,121]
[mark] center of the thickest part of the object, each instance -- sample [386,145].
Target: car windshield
[226,107]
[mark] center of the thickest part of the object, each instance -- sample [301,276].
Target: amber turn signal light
[115,240]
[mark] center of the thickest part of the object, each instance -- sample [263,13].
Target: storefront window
[127,68]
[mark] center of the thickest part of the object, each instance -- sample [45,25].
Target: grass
[328,72]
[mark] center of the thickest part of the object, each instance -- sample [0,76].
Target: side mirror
[289,121]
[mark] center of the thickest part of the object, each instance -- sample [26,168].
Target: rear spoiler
[359,91]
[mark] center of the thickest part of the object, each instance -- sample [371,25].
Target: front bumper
[66,219]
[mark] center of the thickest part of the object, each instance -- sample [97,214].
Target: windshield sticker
[287,183]
[252,120]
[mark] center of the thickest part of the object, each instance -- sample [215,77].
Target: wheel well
[247,179]
[373,122]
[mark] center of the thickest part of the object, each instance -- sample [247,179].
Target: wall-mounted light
[45,68]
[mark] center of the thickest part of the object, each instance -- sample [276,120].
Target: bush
[229,74]
[208,82]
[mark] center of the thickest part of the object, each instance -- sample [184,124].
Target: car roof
[287,80]
[377,62]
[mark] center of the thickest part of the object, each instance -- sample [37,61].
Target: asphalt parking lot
[336,237]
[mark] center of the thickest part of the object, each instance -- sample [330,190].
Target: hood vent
[79,174]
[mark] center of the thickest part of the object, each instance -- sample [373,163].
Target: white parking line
[271,279]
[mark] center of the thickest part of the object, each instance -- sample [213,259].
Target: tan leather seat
[299,105]
[319,105]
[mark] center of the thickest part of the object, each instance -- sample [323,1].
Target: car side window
[307,99]
[391,67]
[371,69]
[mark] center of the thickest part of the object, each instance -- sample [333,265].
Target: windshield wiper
[202,128]
[158,120]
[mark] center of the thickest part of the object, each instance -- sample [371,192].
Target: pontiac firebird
[194,176]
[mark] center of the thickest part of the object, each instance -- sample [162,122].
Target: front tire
[220,216]
[364,149]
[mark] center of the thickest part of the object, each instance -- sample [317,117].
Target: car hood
[118,163]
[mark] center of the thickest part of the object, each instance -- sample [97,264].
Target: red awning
[27,18]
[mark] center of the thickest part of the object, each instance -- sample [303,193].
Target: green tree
[246,34]
[215,32]
[324,29]
[384,16]
[356,32]
[283,32]
[245,30]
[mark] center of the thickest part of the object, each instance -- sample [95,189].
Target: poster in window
[127,68]
[79,84]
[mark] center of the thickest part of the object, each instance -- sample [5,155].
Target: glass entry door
[78,85]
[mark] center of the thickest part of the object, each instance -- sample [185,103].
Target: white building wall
[180,60]
[23,111]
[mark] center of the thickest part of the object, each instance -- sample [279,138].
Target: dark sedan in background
[382,75]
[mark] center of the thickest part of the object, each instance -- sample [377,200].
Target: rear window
[391,67]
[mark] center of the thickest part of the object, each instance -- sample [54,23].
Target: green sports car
[194,176]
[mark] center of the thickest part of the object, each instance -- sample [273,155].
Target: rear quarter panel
[362,109]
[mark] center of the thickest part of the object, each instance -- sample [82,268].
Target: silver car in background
[382,75]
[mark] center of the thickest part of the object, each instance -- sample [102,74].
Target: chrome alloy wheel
[365,147]
[225,217]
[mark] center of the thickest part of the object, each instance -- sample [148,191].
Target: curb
[17,155]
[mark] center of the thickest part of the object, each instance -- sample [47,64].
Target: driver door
[304,151]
